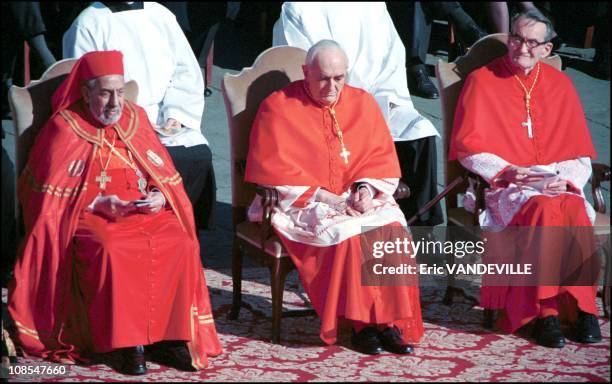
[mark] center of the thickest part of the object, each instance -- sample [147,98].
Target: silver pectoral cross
[103,179]
[345,154]
[528,125]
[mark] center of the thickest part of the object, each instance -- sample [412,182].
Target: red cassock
[293,143]
[488,119]
[87,284]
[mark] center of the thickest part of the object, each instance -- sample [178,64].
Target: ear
[85,93]
[305,70]
[547,49]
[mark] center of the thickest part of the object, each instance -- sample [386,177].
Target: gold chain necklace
[103,178]
[142,183]
[344,153]
[528,100]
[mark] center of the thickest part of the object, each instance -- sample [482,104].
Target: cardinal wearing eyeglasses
[519,125]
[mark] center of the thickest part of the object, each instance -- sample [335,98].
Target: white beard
[108,120]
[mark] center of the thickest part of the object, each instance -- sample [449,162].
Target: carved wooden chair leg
[488,318]
[236,280]
[605,292]
[278,273]
[450,293]
[450,279]
[605,297]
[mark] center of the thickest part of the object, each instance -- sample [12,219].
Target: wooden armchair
[272,70]
[450,78]
[31,108]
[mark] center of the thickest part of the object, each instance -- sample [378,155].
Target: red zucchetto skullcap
[89,66]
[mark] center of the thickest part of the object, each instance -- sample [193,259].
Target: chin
[329,100]
[108,120]
[524,63]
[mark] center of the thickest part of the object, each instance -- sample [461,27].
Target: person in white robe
[159,58]
[377,64]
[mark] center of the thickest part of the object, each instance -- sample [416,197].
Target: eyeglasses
[516,40]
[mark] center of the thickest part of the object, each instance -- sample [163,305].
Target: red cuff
[303,200]
[572,188]
[493,183]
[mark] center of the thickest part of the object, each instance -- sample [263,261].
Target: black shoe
[131,361]
[173,354]
[391,341]
[419,83]
[548,333]
[366,341]
[587,329]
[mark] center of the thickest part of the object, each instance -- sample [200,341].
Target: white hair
[322,45]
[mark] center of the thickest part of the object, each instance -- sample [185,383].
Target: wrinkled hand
[171,127]
[157,201]
[112,207]
[557,186]
[336,202]
[361,200]
[520,175]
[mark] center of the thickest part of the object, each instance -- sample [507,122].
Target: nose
[523,48]
[113,100]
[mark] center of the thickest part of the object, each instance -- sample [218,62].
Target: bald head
[323,45]
[325,71]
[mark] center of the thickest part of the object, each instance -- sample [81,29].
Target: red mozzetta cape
[293,141]
[52,191]
[491,109]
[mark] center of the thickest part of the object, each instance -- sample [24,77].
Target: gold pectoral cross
[103,179]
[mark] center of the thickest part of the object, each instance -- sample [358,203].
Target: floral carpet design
[455,347]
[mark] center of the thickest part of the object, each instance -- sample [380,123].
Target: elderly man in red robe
[326,148]
[519,124]
[111,257]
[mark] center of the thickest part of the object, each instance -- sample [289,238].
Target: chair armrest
[269,199]
[402,191]
[479,186]
[601,173]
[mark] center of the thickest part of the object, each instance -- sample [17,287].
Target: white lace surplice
[319,224]
[503,203]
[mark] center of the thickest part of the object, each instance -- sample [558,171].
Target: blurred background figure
[22,21]
[413,21]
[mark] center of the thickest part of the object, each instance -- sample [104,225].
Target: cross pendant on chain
[103,179]
[528,125]
[345,154]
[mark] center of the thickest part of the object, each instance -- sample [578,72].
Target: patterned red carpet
[455,348]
